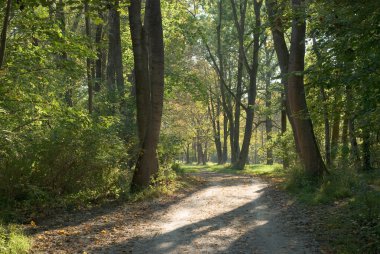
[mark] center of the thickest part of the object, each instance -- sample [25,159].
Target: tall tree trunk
[225,138]
[354,145]
[366,149]
[327,126]
[148,51]
[354,150]
[194,146]
[99,54]
[325,110]
[199,150]
[227,108]
[256,147]
[3,39]
[268,122]
[62,24]
[252,89]
[345,149]
[240,27]
[219,141]
[188,153]
[275,13]
[335,131]
[214,117]
[88,60]
[309,151]
[115,79]
[205,154]
[285,157]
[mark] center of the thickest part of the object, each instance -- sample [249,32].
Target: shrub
[177,168]
[72,154]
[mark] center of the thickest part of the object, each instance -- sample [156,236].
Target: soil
[225,214]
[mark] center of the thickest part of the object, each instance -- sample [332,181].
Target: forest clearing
[189,126]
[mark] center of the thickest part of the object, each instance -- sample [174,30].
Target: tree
[3,36]
[148,51]
[309,151]
[88,60]
[252,89]
[115,79]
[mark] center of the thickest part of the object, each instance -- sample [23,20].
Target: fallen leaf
[61,232]
[33,224]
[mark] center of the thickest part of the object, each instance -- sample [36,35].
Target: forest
[189,126]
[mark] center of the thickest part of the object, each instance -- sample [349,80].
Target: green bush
[72,154]
[357,224]
[336,185]
[177,168]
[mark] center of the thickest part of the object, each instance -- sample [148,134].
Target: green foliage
[354,219]
[356,224]
[176,167]
[254,169]
[336,185]
[169,146]
[74,154]
[165,183]
[13,241]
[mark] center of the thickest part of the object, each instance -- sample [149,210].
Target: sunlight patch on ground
[196,215]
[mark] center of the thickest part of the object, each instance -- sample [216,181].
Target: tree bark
[335,132]
[115,79]
[252,89]
[354,144]
[268,122]
[309,151]
[225,138]
[228,115]
[214,117]
[99,54]
[240,27]
[285,157]
[88,60]
[148,51]
[345,149]
[62,24]
[274,13]
[188,153]
[325,111]
[3,39]
[327,127]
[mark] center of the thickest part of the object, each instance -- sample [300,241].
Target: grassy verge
[165,185]
[270,171]
[12,240]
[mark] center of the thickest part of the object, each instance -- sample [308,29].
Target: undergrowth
[353,206]
[12,240]
[168,181]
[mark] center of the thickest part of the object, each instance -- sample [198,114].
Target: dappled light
[189,126]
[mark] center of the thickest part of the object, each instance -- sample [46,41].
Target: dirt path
[228,214]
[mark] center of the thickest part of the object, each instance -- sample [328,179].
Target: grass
[12,240]
[351,199]
[254,170]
